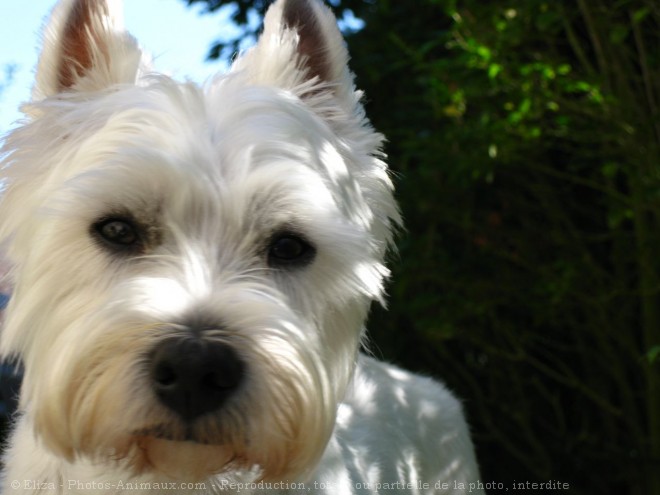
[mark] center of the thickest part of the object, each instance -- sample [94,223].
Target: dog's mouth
[184,453]
[184,434]
[186,460]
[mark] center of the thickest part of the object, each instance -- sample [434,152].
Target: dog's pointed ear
[85,48]
[321,48]
[300,43]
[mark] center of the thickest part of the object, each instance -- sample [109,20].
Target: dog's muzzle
[193,376]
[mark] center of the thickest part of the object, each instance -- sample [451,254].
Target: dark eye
[290,250]
[119,234]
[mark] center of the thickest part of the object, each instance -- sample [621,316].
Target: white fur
[211,172]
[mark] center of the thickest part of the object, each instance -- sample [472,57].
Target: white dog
[192,268]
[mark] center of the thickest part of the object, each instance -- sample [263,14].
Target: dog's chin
[185,460]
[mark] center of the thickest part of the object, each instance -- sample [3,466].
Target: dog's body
[192,268]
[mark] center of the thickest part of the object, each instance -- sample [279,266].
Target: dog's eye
[289,250]
[118,233]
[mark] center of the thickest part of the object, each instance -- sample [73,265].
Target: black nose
[192,376]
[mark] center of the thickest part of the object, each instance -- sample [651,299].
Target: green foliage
[531,264]
[653,354]
[525,140]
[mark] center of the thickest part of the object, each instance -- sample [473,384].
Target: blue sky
[178,37]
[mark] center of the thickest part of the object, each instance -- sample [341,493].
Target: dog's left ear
[85,49]
[300,44]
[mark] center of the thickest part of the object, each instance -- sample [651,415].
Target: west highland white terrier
[192,268]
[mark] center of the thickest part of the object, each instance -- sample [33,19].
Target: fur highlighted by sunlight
[192,267]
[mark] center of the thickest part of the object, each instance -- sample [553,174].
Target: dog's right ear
[301,47]
[85,49]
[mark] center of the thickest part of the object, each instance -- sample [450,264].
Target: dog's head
[192,266]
